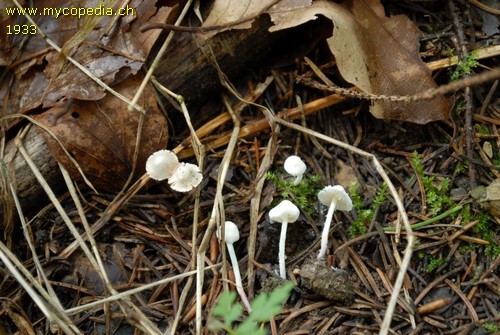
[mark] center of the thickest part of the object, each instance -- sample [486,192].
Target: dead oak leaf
[101,136]
[378,54]
[72,83]
[112,50]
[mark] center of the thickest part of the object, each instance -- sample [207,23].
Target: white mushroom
[162,164]
[296,167]
[231,235]
[285,212]
[185,178]
[336,198]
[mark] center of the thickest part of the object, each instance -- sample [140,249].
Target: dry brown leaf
[72,83]
[375,53]
[344,174]
[110,52]
[394,65]
[101,135]
[229,11]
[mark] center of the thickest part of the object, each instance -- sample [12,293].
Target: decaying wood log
[19,174]
[187,69]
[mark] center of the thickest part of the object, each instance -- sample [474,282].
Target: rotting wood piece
[29,191]
[188,68]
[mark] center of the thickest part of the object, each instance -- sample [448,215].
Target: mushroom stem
[297,180]
[237,277]
[326,230]
[281,255]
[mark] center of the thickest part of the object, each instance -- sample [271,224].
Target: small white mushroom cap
[162,164]
[335,197]
[337,194]
[285,211]
[185,178]
[232,234]
[295,166]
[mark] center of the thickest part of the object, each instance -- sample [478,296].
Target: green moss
[434,264]
[421,254]
[482,129]
[465,67]
[461,167]
[364,215]
[485,229]
[436,189]
[491,327]
[304,195]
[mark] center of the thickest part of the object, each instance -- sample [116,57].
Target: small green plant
[465,67]
[482,129]
[491,327]
[364,215]
[436,191]
[421,254]
[484,229]
[461,167]
[434,263]
[304,195]
[226,312]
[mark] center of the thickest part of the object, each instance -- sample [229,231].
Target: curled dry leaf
[230,12]
[394,66]
[101,136]
[378,54]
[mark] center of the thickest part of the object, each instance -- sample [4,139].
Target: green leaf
[281,294]
[266,306]
[214,324]
[249,327]
[226,308]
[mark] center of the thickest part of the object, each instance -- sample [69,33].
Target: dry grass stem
[158,56]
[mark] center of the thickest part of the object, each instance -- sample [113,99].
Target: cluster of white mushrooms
[182,177]
[335,197]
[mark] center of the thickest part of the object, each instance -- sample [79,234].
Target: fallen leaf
[227,13]
[344,174]
[112,51]
[101,135]
[377,54]
[72,83]
[394,66]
